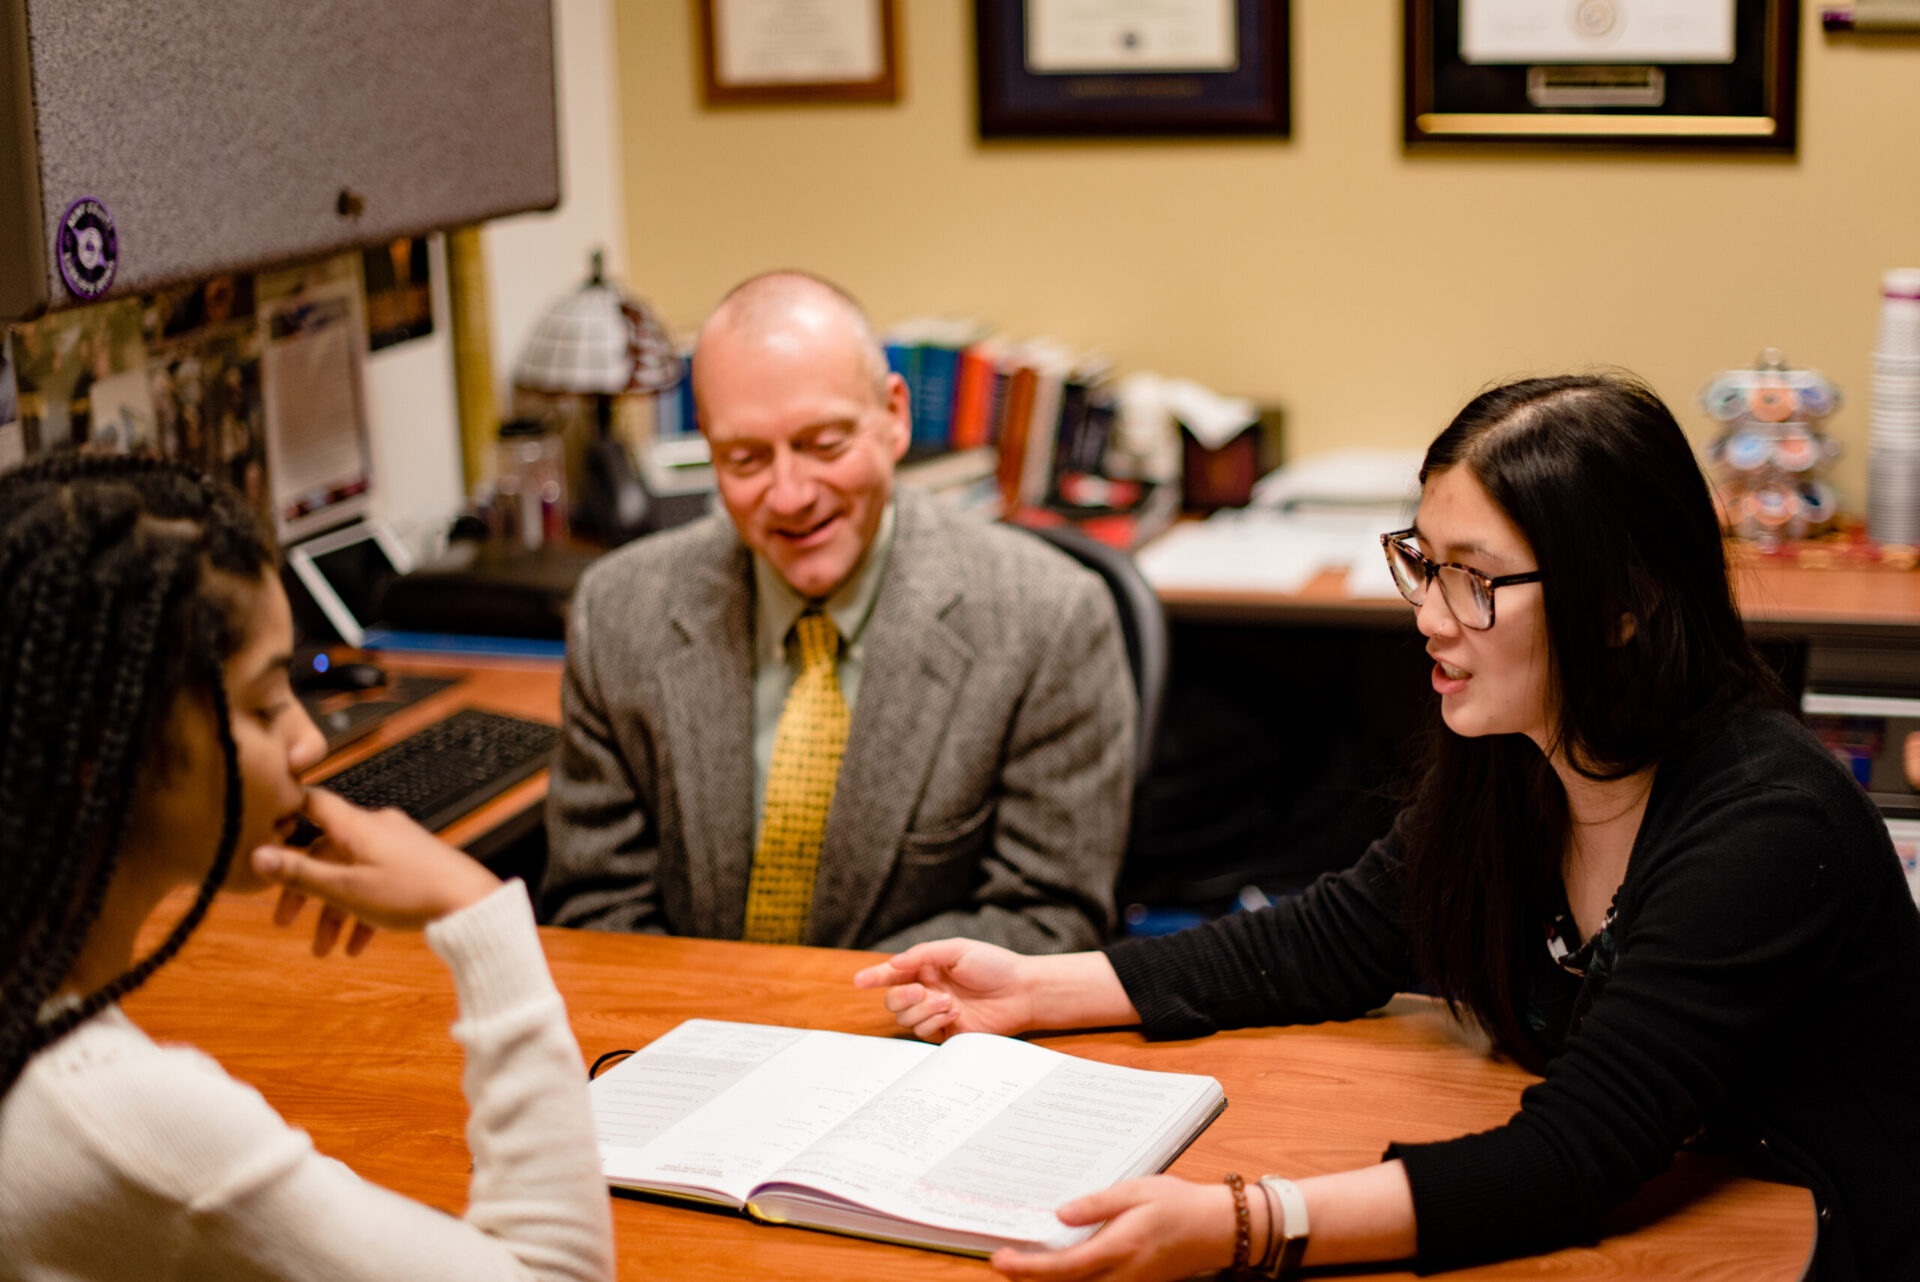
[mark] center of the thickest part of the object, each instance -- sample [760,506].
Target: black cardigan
[1765,987]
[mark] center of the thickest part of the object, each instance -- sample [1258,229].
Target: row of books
[1047,413]
[1048,410]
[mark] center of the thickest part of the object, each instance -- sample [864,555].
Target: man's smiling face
[804,438]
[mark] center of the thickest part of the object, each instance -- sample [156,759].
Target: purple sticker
[87,248]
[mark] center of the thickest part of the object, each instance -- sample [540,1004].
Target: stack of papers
[1255,551]
[1325,513]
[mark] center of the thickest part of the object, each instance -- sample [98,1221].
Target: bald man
[839,715]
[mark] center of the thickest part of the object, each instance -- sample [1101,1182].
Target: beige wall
[1368,292]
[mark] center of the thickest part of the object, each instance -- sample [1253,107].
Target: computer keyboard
[442,772]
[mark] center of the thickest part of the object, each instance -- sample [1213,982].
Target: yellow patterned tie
[807,747]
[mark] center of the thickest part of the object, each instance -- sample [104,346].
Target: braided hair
[118,593]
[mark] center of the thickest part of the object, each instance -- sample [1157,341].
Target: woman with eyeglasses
[1626,860]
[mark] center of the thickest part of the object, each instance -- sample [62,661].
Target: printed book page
[663,1124]
[966,1146]
[983,1140]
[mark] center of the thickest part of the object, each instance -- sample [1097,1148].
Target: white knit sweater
[124,1160]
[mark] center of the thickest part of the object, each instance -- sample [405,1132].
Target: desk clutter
[1323,513]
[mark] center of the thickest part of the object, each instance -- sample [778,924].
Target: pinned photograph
[399,292]
[187,309]
[70,383]
[13,441]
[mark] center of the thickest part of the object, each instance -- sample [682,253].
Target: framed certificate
[1611,73]
[786,51]
[1139,68]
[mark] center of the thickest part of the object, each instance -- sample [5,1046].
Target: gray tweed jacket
[987,776]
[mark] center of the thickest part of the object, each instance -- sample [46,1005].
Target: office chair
[1143,624]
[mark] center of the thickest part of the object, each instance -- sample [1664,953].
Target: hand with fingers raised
[949,986]
[376,868]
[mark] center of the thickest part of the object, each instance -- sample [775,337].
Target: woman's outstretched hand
[949,986]
[376,867]
[1157,1229]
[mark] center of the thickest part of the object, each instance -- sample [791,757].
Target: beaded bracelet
[1242,1224]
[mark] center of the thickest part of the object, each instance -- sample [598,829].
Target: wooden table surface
[357,1054]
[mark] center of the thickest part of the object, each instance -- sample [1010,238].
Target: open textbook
[967,1146]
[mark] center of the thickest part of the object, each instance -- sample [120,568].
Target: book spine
[1096,434]
[903,358]
[666,413]
[1043,432]
[934,397]
[900,359]
[682,393]
[1013,436]
[997,403]
[970,401]
[1068,447]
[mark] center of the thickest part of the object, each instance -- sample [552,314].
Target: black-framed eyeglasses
[1468,592]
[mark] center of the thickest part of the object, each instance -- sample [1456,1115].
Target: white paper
[310,370]
[968,1145]
[1081,1128]
[646,1093]
[1256,551]
[1662,31]
[1346,479]
[1083,36]
[1212,418]
[993,1134]
[772,42]
[659,1123]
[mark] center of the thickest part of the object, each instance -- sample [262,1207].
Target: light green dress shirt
[776,607]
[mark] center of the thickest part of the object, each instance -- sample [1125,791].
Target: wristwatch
[1289,1229]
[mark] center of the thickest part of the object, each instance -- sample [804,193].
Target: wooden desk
[357,1053]
[1776,598]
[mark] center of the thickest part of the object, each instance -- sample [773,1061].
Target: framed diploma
[1610,73]
[786,51]
[1132,68]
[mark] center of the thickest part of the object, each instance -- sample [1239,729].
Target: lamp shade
[598,340]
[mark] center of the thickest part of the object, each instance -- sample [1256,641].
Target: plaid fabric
[807,747]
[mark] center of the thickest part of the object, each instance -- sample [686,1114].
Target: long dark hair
[119,583]
[1646,653]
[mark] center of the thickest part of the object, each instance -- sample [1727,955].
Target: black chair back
[1143,624]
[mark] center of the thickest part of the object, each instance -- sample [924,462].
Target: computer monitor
[346,573]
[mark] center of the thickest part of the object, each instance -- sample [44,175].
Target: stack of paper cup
[1893,435]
